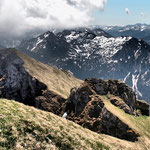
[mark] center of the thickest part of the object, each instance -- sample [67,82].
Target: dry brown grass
[24,127]
[29,127]
[139,124]
[56,80]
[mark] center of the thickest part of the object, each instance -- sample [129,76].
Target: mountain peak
[95,53]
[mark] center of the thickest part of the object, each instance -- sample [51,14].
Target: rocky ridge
[25,80]
[87,107]
[95,53]
[138,30]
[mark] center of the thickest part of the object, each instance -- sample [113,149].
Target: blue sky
[114,12]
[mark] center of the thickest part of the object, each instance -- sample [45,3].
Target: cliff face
[17,83]
[28,81]
[88,106]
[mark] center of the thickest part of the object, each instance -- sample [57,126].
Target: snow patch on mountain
[110,46]
[126,77]
[46,34]
[100,45]
[39,40]
[72,36]
[135,79]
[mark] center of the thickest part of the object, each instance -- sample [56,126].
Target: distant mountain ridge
[95,53]
[141,31]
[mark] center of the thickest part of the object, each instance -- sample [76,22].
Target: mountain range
[101,114]
[140,31]
[95,53]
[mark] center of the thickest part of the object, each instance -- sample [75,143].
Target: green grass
[25,127]
[141,124]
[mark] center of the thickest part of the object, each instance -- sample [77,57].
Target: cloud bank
[19,16]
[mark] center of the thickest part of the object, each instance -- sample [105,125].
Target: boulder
[121,104]
[115,87]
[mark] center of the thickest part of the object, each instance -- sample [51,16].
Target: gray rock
[144,107]
[86,107]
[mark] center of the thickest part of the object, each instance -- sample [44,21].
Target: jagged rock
[89,116]
[50,101]
[115,87]
[86,107]
[18,84]
[75,102]
[112,125]
[121,104]
[144,107]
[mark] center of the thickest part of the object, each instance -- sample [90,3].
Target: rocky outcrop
[144,107]
[121,104]
[115,87]
[18,84]
[86,106]
[50,101]
[112,125]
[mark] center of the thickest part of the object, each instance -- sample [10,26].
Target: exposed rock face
[114,87]
[144,107]
[50,101]
[86,106]
[17,84]
[121,104]
[112,125]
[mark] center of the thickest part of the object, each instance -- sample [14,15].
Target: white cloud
[127,10]
[19,16]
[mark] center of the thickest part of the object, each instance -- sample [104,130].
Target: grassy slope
[58,81]
[25,127]
[139,124]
